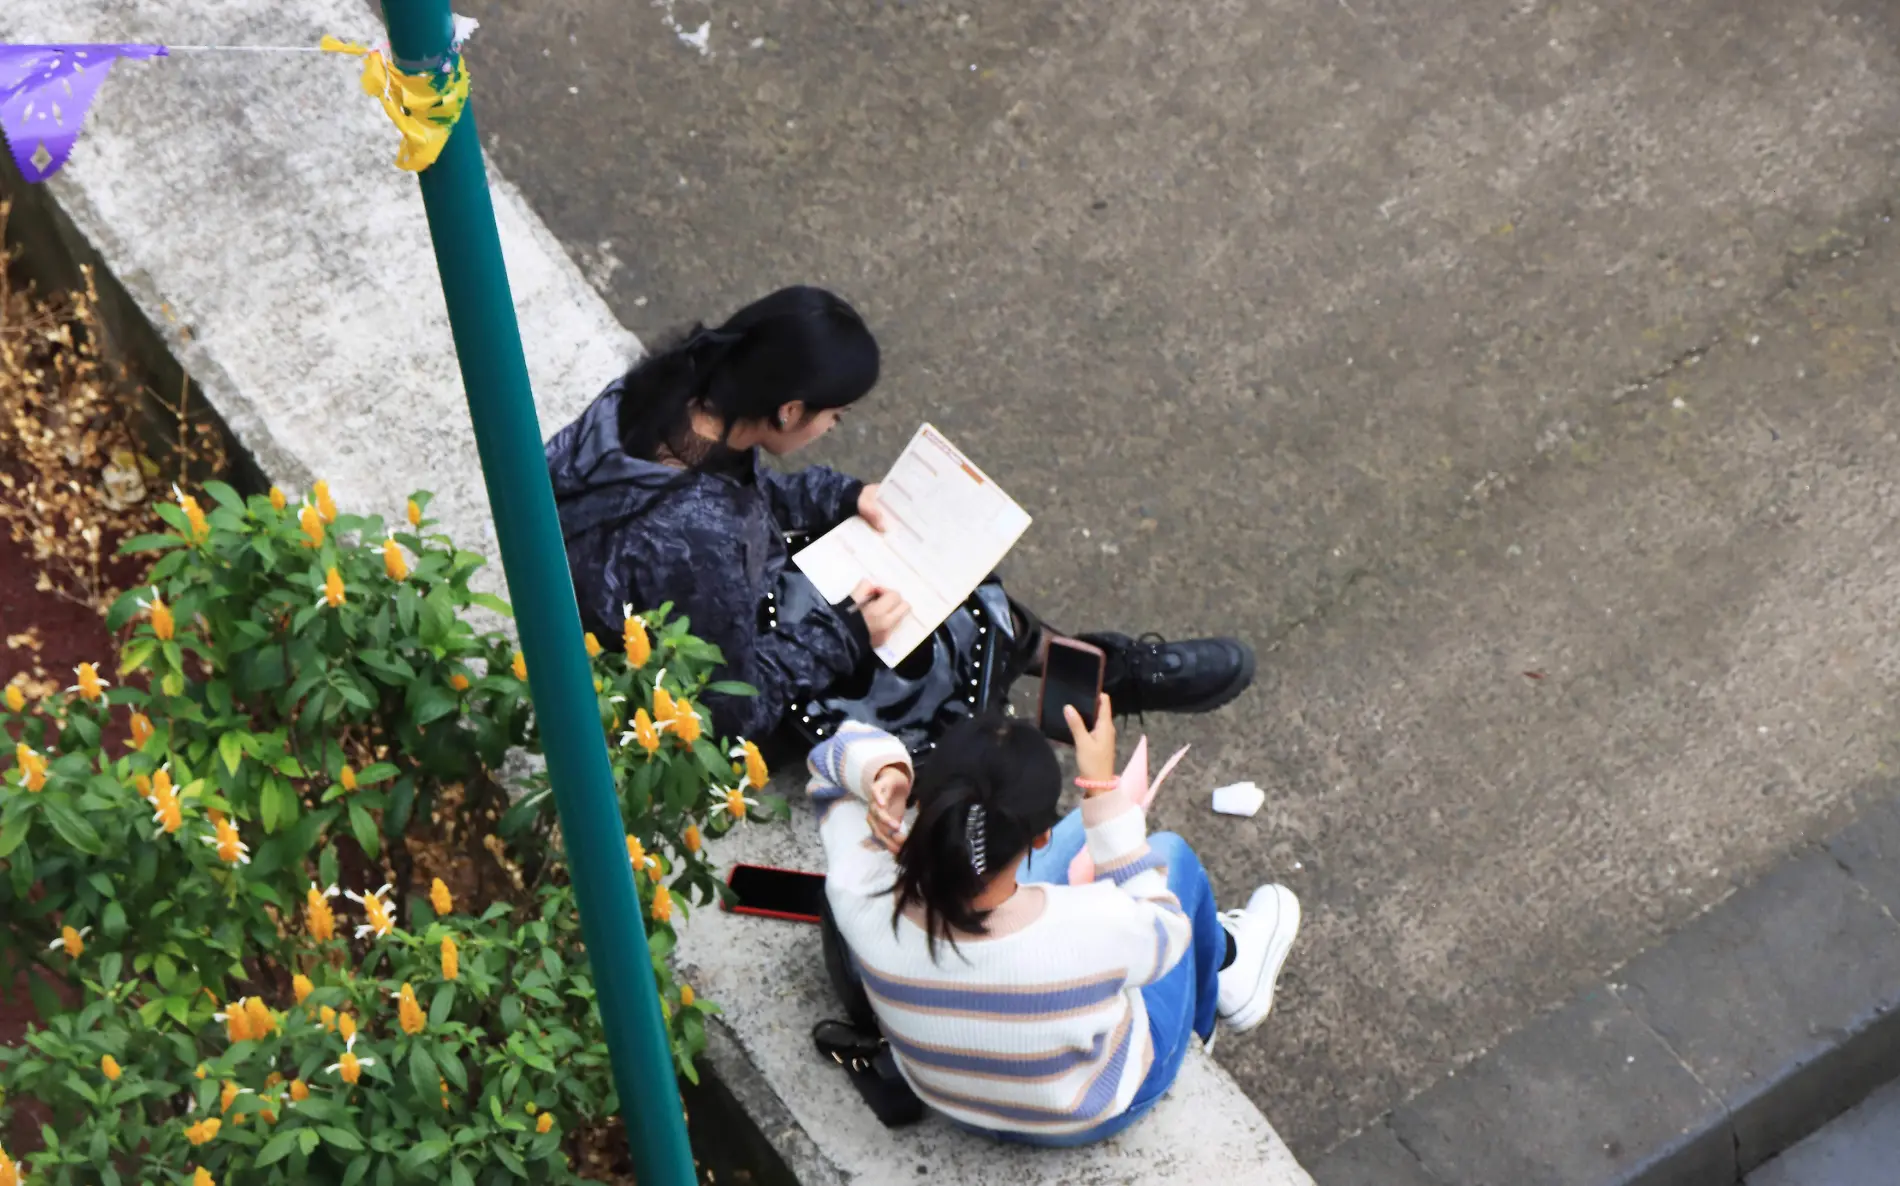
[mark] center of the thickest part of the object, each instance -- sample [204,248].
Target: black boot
[1151,674]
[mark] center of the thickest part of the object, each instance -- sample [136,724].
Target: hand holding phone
[1072,675]
[1094,745]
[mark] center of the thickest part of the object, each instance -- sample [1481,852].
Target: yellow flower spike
[545,1123]
[194,515]
[451,959]
[644,732]
[394,563]
[530,1108]
[346,1025]
[326,1016]
[686,725]
[593,645]
[349,1067]
[9,1170]
[686,996]
[300,985]
[90,687]
[74,941]
[109,1067]
[662,705]
[32,766]
[380,921]
[204,1130]
[202,1176]
[333,588]
[299,1091]
[263,1021]
[319,919]
[409,1012]
[273,1079]
[227,1095]
[634,638]
[326,506]
[662,908]
[312,524]
[439,897]
[16,699]
[415,514]
[277,500]
[237,1022]
[755,771]
[141,729]
[200,1072]
[521,666]
[692,838]
[347,776]
[459,682]
[164,627]
[230,847]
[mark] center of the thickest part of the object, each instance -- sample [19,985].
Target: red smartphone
[777,893]
[1072,674]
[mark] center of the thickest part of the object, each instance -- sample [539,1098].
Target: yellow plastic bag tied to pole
[424,106]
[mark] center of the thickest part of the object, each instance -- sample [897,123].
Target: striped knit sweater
[1038,1026]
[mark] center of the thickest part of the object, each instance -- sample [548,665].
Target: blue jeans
[1181,1003]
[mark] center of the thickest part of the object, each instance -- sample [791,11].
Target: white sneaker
[1263,934]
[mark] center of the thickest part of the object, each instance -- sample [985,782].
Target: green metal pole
[508,435]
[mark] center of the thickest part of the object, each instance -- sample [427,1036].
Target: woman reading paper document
[663,498]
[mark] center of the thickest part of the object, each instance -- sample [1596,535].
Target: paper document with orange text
[947,527]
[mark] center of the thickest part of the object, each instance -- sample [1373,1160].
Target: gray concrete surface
[1862,1148]
[1426,344]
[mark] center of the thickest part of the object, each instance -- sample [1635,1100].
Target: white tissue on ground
[1242,798]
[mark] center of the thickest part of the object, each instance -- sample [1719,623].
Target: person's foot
[1263,933]
[1151,674]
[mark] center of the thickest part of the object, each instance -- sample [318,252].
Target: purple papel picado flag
[45,91]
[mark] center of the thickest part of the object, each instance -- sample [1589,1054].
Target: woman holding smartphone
[1019,1006]
[663,498]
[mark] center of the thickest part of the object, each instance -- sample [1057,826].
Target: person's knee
[1174,852]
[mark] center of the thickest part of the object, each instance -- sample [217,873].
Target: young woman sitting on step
[1017,1005]
[663,498]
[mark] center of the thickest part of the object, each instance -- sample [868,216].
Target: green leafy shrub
[190,868]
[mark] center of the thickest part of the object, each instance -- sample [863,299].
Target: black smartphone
[1071,675]
[777,893]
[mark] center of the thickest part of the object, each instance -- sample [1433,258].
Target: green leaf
[442,1005]
[225,495]
[369,776]
[114,920]
[109,967]
[492,602]
[423,1152]
[408,602]
[510,1012]
[358,1168]
[341,1138]
[308,1140]
[363,827]
[232,751]
[508,1158]
[453,1070]
[73,828]
[731,687]
[277,1148]
[424,1075]
[14,834]
[150,543]
[459,1175]
[432,705]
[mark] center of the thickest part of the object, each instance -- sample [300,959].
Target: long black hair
[989,789]
[799,343]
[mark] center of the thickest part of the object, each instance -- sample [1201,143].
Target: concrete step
[769,978]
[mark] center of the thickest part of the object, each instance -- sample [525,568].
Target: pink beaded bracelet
[1098,784]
